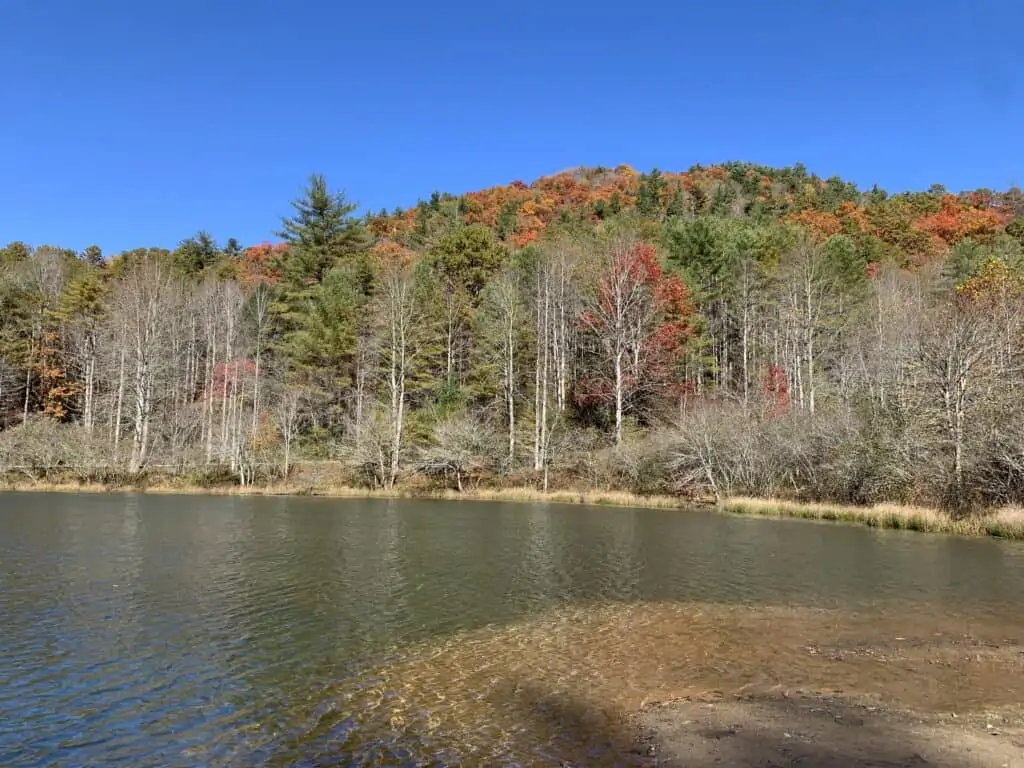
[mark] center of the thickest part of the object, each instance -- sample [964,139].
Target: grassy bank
[512,494]
[1007,523]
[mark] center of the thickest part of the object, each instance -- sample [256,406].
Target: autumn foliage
[641,321]
[732,308]
[958,219]
[259,265]
[923,227]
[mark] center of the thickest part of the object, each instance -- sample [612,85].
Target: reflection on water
[223,631]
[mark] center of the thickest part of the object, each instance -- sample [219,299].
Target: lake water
[194,631]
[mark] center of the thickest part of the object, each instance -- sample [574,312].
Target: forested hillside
[731,329]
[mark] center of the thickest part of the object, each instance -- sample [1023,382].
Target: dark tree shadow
[570,731]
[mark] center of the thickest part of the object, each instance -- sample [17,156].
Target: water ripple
[154,631]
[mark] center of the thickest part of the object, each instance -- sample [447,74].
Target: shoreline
[515,494]
[1007,523]
[814,727]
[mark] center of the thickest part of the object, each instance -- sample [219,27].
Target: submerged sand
[701,684]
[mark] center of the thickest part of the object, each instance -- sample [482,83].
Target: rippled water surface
[190,631]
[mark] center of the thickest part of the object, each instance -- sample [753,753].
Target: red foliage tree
[775,388]
[229,377]
[640,319]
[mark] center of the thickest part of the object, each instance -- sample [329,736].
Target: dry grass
[593,497]
[513,494]
[1007,523]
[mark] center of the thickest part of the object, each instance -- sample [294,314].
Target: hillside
[909,227]
[723,330]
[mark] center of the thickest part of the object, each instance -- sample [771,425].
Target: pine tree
[676,205]
[321,274]
[321,234]
[648,199]
[197,253]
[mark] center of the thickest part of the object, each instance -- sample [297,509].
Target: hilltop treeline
[731,329]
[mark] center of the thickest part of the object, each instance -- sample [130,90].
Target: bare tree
[462,446]
[400,307]
[288,415]
[501,314]
[260,303]
[958,347]
[145,297]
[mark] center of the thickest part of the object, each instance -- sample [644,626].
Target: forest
[728,330]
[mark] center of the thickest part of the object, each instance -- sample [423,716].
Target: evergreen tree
[317,335]
[507,219]
[1015,229]
[648,199]
[468,258]
[676,205]
[321,234]
[463,263]
[197,253]
[615,204]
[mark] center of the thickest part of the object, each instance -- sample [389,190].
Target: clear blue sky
[138,122]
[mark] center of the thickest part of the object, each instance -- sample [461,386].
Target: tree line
[729,330]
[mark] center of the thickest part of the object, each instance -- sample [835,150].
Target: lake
[159,630]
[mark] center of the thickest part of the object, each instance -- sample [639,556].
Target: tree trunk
[546,375]
[28,392]
[618,398]
[510,380]
[120,392]
[211,367]
[139,434]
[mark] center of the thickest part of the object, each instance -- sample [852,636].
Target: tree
[502,316]
[702,251]
[461,446]
[14,252]
[639,318]
[817,287]
[648,199]
[92,256]
[82,310]
[145,297]
[319,339]
[197,253]
[320,234]
[288,415]
[957,348]
[463,262]
[399,307]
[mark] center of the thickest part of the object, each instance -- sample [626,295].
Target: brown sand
[576,687]
[815,731]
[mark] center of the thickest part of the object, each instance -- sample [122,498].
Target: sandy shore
[819,731]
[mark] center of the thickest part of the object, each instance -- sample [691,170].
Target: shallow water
[192,631]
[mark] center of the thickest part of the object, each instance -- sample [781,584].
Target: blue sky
[130,122]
